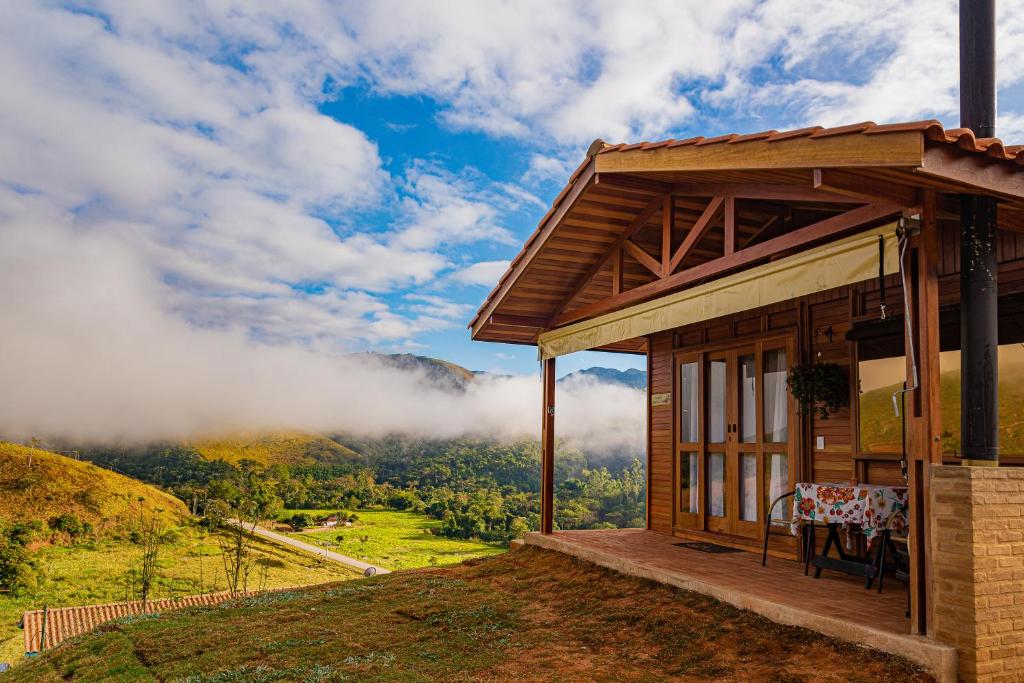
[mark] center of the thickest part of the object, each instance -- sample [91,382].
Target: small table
[875,510]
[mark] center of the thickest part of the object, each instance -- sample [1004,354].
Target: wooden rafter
[859,188]
[517,320]
[769,191]
[824,229]
[760,231]
[668,218]
[616,247]
[617,272]
[645,259]
[696,233]
[730,226]
[532,248]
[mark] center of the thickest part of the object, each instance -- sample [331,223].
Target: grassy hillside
[527,615]
[285,448]
[40,485]
[880,428]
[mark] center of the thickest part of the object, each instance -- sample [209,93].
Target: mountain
[42,485]
[633,378]
[439,374]
[278,448]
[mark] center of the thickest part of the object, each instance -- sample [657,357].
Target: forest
[477,488]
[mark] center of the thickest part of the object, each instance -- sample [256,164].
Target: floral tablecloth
[871,508]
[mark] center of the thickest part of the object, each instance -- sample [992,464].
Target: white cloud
[483,273]
[443,208]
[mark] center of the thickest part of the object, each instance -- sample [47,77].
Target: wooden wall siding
[838,308]
[830,312]
[660,435]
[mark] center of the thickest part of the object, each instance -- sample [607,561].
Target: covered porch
[731,261]
[834,605]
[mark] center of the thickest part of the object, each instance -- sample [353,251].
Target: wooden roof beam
[645,259]
[816,232]
[518,321]
[696,232]
[766,191]
[860,189]
[639,222]
[986,175]
[533,247]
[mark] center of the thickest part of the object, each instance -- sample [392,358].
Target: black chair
[768,522]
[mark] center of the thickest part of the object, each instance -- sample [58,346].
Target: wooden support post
[923,406]
[667,221]
[617,272]
[547,448]
[730,225]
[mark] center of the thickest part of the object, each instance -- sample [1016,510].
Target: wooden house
[729,260]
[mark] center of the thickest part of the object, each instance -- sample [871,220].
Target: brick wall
[977,544]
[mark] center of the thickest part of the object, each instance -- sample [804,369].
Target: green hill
[281,448]
[880,428]
[41,485]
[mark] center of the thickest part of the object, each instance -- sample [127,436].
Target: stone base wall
[977,559]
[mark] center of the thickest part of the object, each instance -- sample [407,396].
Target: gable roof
[906,155]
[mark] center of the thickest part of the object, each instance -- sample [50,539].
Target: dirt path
[317,550]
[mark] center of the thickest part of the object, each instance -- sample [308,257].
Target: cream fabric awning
[839,263]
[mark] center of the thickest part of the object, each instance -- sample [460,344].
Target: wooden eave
[621,231]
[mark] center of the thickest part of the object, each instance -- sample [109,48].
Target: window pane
[776,405]
[688,482]
[748,400]
[688,393]
[716,484]
[881,430]
[776,467]
[748,487]
[716,401]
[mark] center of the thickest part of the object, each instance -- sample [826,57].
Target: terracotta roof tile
[63,623]
[687,141]
[932,130]
[763,135]
[798,133]
[844,130]
[716,140]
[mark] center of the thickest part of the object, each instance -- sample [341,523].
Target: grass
[91,574]
[38,484]
[395,540]
[526,615]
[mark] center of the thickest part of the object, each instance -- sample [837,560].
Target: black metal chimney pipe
[979,319]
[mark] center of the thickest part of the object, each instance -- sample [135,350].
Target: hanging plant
[819,386]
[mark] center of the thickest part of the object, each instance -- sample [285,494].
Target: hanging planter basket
[819,387]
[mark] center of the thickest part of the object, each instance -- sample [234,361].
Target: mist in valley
[93,350]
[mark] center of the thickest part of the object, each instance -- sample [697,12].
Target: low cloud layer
[89,352]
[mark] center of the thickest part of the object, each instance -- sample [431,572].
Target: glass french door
[734,430]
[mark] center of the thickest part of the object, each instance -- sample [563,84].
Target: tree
[17,569]
[151,537]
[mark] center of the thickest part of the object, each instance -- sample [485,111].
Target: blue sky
[345,176]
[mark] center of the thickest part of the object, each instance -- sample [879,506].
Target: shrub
[70,524]
[17,569]
[300,521]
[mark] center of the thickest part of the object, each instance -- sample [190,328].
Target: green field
[92,574]
[395,540]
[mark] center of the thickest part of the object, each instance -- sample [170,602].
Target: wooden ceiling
[645,226]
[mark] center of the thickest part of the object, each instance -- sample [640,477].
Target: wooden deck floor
[835,604]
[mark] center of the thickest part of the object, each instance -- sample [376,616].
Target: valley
[77,521]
